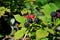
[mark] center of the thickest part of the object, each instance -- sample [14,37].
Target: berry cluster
[30,20]
[56,14]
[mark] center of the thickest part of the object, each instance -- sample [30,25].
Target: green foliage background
[47,6]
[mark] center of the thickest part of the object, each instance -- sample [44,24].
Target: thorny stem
[25,36]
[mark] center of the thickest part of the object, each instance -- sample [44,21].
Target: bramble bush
[39,19]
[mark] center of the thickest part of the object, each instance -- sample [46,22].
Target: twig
[25,36]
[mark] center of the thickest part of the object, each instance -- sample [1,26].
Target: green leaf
[20,33]
[29,34]
[49,30]
[58,33]
[45,19]
[24,11]
[53,7]
[43,1]
[57,3]
[48,8]
[27,5]
[44,39]
[57,21]
[35,12]
[20,19]
[8,10]
[41,34]
[34,6]
[45,8]
[2,10]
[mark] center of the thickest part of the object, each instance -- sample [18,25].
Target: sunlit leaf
[53,7]
[57,21]
[20,19]
[24,11]
[29,34]
[49,30]
[45,8]
[20,33]
[2,10]
[8,10]
[50,7]
[45,19]
[41,34]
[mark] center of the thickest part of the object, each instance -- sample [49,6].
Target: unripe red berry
[32,16]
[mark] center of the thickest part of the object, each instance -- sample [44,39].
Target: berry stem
[25,34]
[54,23]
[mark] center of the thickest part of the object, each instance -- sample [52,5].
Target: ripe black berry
[26,24]
[30,20]
[53,14]
[36,20]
